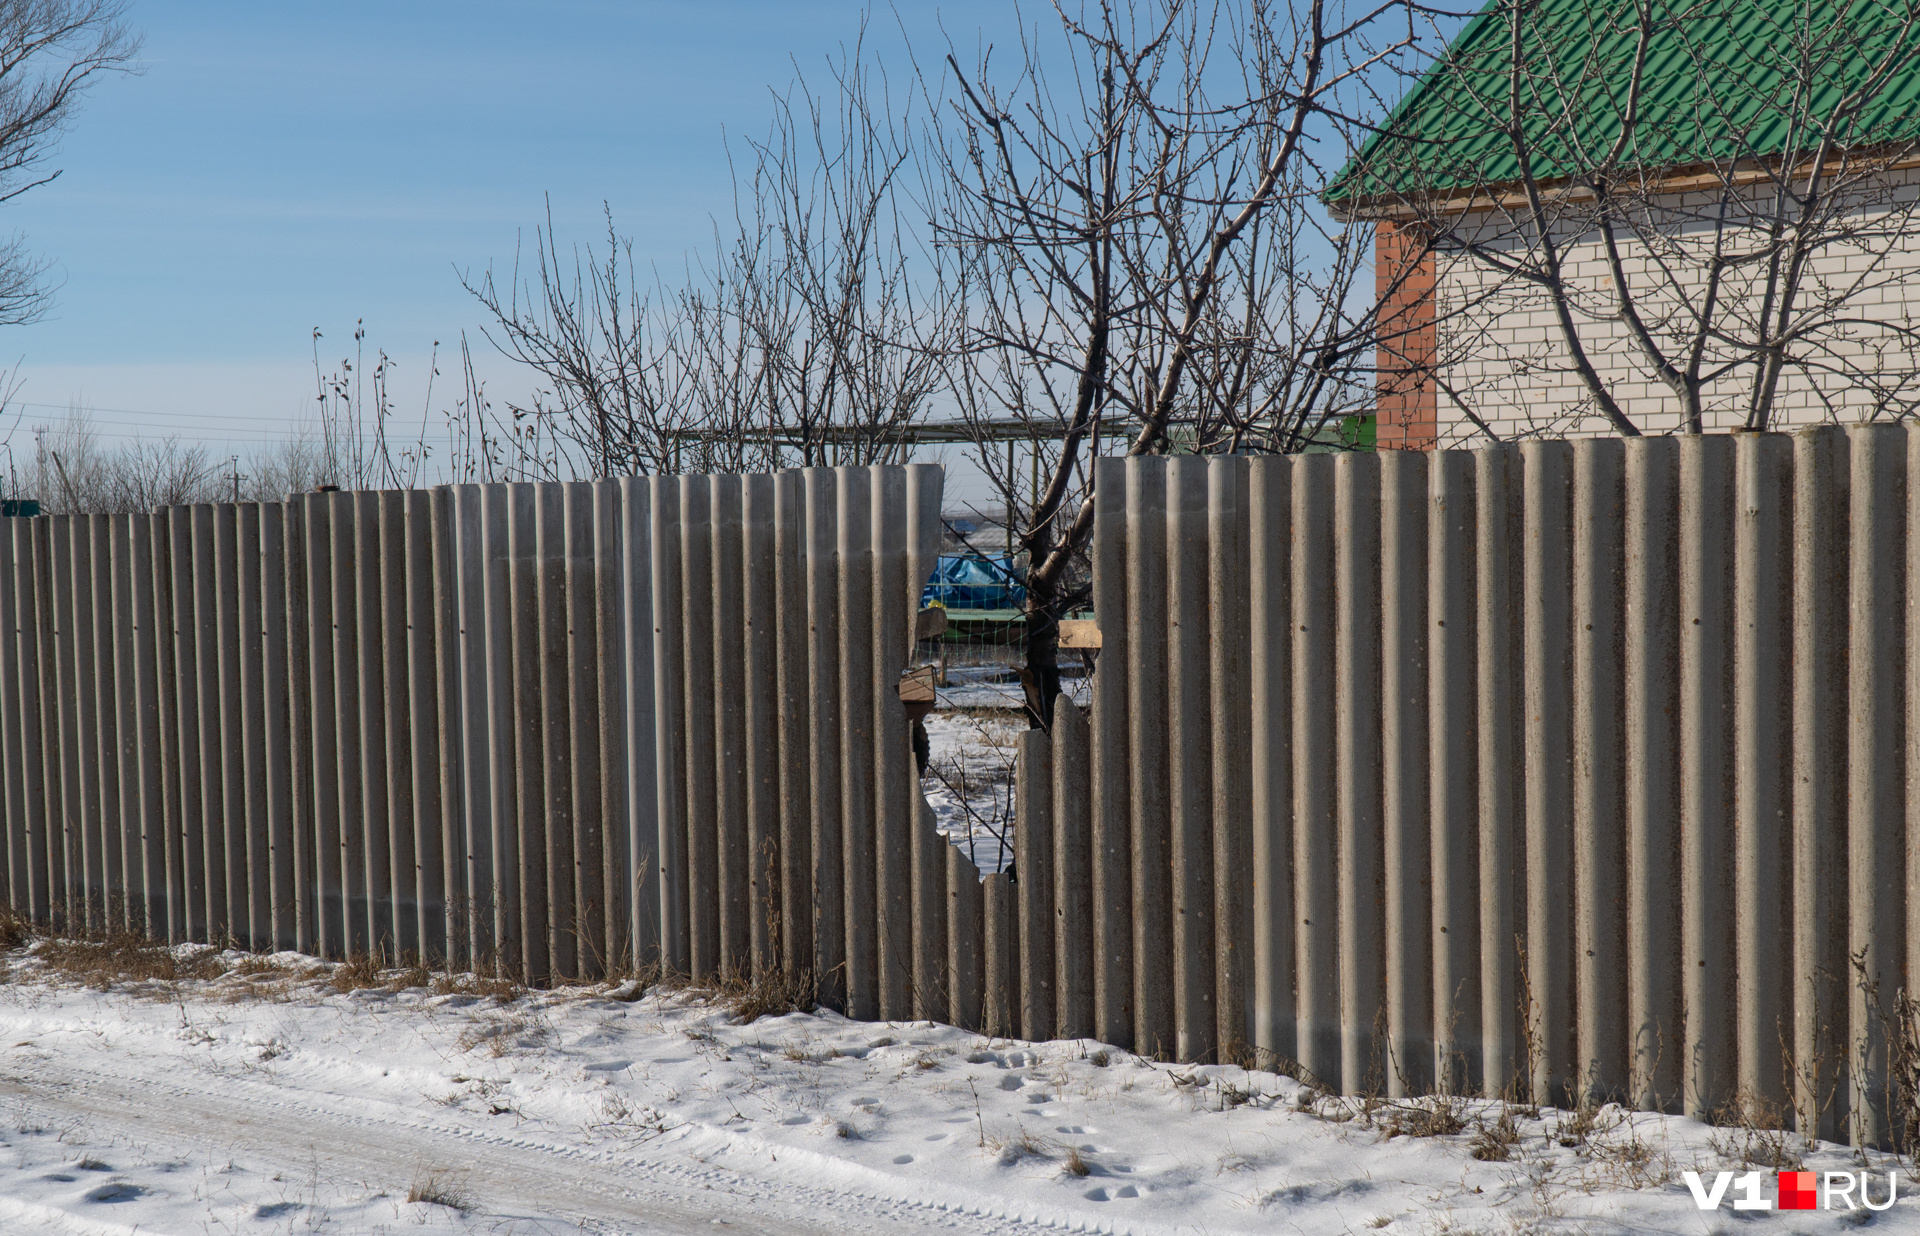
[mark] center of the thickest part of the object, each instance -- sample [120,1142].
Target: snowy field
[267,1100]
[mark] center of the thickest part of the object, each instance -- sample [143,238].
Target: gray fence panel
[80,837]
[1820,782]
[759,612]
[1599,855]
[1547,638]
[1499,496]
[894,770]
[1112,822]
[1270,682]
[1763,762]
[1033,843]
[1706,785]
[794,642]
[1405,817]
[854,517]
[1876,797]
[704,894]
[1316,901]
[1147,710]
[1653,771]
[670,736]
[1074,941]
[1189,750]
[726,751]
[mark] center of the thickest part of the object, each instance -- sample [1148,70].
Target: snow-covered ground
[271,1102]
[969,781]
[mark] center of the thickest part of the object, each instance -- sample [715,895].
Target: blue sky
[289,165]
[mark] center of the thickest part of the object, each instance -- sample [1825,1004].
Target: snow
[268,1102]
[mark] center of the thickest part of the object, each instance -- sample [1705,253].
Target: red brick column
[1408,402]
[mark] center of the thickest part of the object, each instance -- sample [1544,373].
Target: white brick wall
[1501,349]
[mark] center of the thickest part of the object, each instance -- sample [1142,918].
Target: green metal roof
[1723,79]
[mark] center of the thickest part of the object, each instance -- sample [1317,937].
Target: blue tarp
[967,581]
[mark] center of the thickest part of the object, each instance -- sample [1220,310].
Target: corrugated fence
[1572,769]
[1576,769]
[550,727]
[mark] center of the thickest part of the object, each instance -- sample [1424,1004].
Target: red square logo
[1796,1191]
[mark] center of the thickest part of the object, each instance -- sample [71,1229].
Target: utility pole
[235,459]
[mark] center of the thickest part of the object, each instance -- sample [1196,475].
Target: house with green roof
[1648,216]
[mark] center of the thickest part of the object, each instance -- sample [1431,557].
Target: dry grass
[1752,1131]
[1076,1164]
[358,972]
[487,986]
[438,1189]
[1019,1145]
[1434,1116]
[773,994]
[125,958]
[1494,1143]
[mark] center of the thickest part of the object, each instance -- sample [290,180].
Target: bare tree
[51,52]
[1713,203]
[1133,210]
[808,337]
